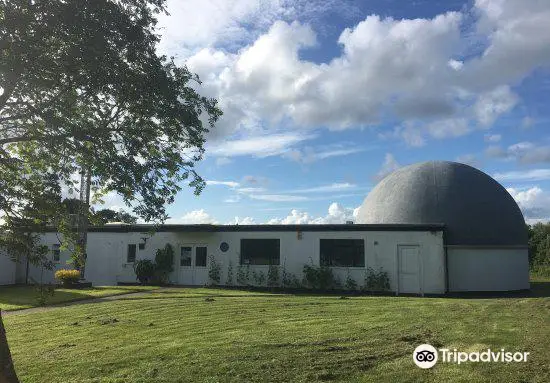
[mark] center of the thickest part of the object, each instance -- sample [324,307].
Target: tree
[83,91]
[107,215]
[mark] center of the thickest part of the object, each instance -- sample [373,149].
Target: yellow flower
[67,275]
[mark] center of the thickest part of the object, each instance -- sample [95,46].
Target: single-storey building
[433,228]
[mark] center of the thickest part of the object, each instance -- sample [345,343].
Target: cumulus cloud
[533,202]
[336,214]
[413,69]
[193,217]
[523,152]
[242,221]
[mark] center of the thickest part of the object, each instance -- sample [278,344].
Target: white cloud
[327,188]
[389,166]
[468,159]
[533,202]
[278,197]
[242,221]
[231,184]
[309,155]
[522,152]
[406,68]
[336,214]
[490,105]
[261,146]
[492,138]
[526,175]
[193,217]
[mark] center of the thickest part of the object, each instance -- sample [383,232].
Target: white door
[409,269]
[193,265]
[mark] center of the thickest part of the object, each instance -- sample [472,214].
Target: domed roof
[475,209]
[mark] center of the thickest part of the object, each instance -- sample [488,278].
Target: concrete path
[33,310]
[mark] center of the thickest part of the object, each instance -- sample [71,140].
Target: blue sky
[322,99]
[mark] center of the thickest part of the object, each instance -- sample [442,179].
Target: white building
[434,227]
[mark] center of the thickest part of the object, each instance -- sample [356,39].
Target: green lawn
[23,297]
[202,335]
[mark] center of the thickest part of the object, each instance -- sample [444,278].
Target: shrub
[229,281]
[259,277]
[377,280]
[273,276]
[44,293]
[350,282]
[67,277]
[145,270]
[214,271]
[243,275]
[164,263]
[319,278]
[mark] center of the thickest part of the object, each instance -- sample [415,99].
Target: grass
[23,297]
[213,335]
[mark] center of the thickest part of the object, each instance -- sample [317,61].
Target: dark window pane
[131,256]
[260,251]
[185,256]
[342,252]
[56,252]
[200,256]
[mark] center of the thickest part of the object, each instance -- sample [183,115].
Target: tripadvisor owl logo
[425,356]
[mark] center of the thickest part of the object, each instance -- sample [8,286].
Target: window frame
[56,252]
[128,253]
[270,263]
[360,265]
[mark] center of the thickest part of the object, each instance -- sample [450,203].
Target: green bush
[319,278]
[243,275]
[214,271]
[145,270]
[229,281]
[164,263]
[377,280]
[259,277]
[273,276]
[350,284]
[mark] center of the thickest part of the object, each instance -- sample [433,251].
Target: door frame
[193,267]
[420,266]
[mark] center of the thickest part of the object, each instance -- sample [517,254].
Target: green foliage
[44,293]
[273,276]
[376,280]
[114,107]
[214,271]
[229,281]
[164,263]
[101,217]
[145,270]
[539,244]
[258,277]
[350,284]
[319,277]
[243,275]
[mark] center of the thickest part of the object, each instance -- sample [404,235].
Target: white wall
[485,269]
[7,270]
[106,264]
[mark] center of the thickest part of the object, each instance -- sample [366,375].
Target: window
[56,252]
[131,256]
[185,256]
[260,251]
[200,256]
[342,252]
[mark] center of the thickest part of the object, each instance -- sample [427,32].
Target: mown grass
[23,297]
[202,335]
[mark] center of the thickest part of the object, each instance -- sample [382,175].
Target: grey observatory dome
[475,209]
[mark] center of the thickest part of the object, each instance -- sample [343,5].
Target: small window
[260,251]
[200,256]
[56,252]
[131,256]
[224,246]
[185,256]
[342,252]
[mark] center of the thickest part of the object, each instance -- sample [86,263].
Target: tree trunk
[7,371]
